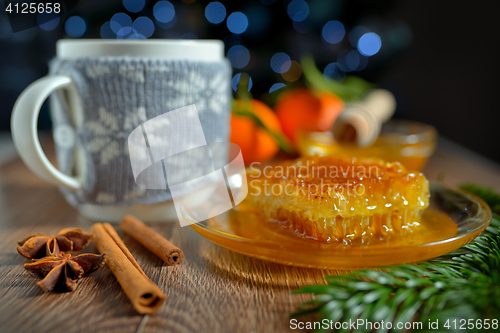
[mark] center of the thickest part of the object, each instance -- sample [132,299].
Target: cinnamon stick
[153,241]
[145,296]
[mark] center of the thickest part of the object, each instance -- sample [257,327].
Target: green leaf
[351,89]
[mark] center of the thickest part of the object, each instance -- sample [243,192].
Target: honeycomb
[339,199]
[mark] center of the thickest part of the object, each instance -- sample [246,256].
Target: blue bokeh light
[166,26]
[51,21]
[135,35]
[302,27]
[106,31]
[342,61]
[75,26]
[369,44]
[333,32]
[356,33]
[276,86]
[134,6]
[215,12]
[363,62]
[164,11]
[144,26]
[237,23]
[352,60]
[298,10]
[239,56]
[281,63]
[125,32]
[236,80]
[333,71]
[120,20]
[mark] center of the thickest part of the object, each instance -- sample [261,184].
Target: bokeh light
[302,26]
[356,33]
[297,10]
[363,62]
[125,32]
[332,71]
[135,35]
[333,32]
[119,21]
[237,23]
[106,31]
[341,62]
[276,86]
[51,21]
[239,56]
[350,61]
[164,11]
[294,73]
[166,26]
[369,44]
[144,26]
[75,26]
[215,12]
[134,6]
[280,62]
[236,80]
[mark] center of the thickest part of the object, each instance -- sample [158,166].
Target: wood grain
[213,290]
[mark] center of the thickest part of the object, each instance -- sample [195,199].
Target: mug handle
[24,130]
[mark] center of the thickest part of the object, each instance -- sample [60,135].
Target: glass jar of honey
[408,142]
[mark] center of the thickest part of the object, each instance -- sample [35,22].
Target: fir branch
[487,194]
[464,284]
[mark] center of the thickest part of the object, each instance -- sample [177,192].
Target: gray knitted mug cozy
[119,94]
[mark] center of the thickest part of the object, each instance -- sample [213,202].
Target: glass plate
[453,219]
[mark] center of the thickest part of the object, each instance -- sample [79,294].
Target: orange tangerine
[256,143]
[302,109]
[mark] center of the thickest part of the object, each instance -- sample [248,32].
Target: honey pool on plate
[453,219]
[244,221]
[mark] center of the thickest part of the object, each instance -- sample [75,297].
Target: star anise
[39,245]
[61,272]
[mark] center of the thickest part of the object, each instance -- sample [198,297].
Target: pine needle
[464,284]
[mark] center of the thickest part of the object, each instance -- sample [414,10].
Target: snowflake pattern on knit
[206,92]
[106,130]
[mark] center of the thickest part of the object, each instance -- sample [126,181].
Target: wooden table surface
[213,290]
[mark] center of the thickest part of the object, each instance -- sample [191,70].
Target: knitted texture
[119,94]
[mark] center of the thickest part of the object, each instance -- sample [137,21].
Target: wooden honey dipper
[361,122]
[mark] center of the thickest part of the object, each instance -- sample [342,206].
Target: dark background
[438,57]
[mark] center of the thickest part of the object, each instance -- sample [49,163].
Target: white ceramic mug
[143,65]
